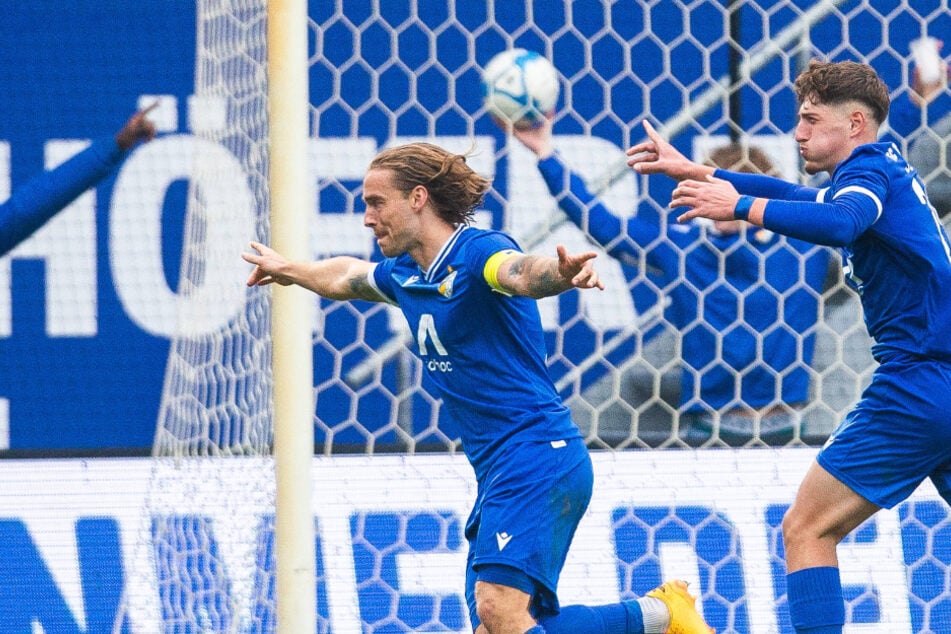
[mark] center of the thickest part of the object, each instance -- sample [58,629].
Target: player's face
[823,136]
[389,213]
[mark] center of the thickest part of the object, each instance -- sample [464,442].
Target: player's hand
[924,92]
[657,156]
[712,198]
[137,128]
[268,265]
[579,268]
[538,137]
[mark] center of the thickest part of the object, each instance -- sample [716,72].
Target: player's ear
[858,121]
[418,196]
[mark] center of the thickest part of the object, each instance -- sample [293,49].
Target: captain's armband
[491,270]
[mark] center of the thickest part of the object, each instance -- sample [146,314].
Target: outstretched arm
[623,239]
[341,277]
[836,223]
[46,194]
[541,276]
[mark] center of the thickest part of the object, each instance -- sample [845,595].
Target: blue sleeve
[622,240]
[860,186]
[31,206]
[835,224]
[382,280]
[762,186]
[487,244]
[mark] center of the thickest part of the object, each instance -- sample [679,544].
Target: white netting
[217,395]
[217,392]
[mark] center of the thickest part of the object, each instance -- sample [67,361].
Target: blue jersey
[895,252]
[484,350]
[43,196]
[727,293]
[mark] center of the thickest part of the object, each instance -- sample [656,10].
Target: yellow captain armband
[491,270]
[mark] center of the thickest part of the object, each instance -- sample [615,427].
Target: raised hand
[579,268]
[658,156]
[537,138]
[137,128]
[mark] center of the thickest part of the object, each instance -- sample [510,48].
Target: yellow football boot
[684,618]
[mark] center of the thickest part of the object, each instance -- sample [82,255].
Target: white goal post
[291,310]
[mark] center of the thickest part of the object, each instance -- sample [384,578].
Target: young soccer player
[897,256]
[45,195]
[468,296]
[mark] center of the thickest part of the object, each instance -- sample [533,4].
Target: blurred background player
[922,117]
[730,390]
[897,255]
[469,297]
[45,195]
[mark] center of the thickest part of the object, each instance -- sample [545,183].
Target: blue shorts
[526,512]
[898,434]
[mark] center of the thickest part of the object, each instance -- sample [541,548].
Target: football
[520,86]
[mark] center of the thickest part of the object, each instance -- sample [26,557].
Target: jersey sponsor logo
[426,334]
[503,539]
[426,331]
[848,272]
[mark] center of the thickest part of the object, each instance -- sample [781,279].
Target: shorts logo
[503,539]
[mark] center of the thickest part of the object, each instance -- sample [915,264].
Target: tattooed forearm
[360,287]
[536,276]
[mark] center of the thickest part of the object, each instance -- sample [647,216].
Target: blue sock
[815,600]
[614,618]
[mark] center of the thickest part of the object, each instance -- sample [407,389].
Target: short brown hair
[739,157]
[836,83]
[455,189]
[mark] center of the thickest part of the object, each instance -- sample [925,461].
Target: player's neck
[433,238]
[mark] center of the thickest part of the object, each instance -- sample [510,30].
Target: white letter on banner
[219,207]
[879,565]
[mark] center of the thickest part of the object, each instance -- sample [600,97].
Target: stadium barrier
[77,541]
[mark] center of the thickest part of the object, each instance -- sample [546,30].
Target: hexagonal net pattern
[704,338]
[699,340]
[217,400]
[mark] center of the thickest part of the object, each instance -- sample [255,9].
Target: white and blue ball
[520,86]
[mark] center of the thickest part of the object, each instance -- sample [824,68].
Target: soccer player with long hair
[468,296]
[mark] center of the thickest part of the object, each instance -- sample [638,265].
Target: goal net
[210,532]
[633,362]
